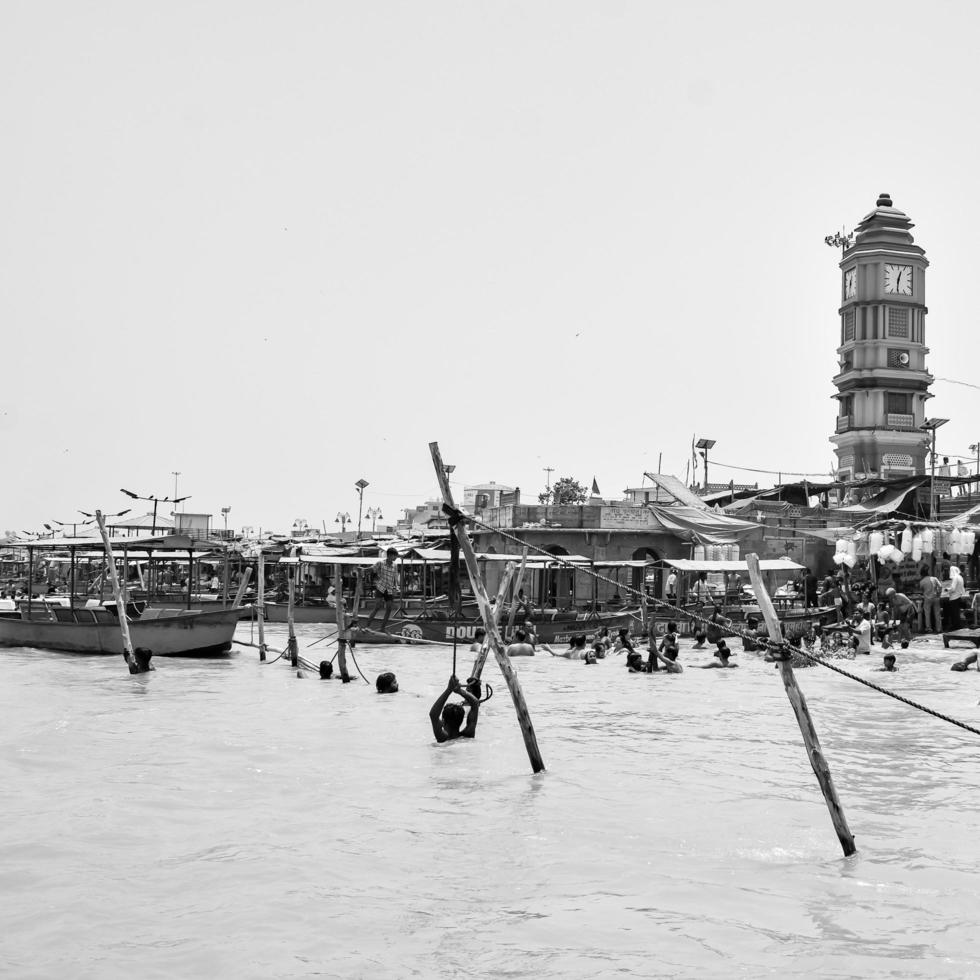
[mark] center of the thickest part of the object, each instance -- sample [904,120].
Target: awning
[765,564]
[162,542]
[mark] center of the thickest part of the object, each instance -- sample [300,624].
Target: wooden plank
[798,702]
[489,622]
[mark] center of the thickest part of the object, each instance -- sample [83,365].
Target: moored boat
[559,628]
[165,632]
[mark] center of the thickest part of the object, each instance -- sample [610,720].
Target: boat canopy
[160,542]
[765,564]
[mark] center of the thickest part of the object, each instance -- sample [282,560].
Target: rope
[350,650]
[733,630]
[892,694]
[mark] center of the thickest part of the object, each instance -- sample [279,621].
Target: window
[846,405]
[849,325]
[898,322]
[898,403]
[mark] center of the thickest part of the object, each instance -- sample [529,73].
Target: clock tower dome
[883,384]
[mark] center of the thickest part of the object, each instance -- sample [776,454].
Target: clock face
[898,279]
[850,283]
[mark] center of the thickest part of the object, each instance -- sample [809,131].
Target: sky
[280,247]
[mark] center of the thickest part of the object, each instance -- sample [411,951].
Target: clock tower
[883,384]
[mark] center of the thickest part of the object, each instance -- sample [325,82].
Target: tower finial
[884,200]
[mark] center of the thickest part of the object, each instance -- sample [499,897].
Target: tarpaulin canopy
[886,501]
[702,526]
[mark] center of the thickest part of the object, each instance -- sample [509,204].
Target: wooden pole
[798,702]
[242,586]
[481,657]
[128,655]
[493,632]
[343,623]
[260,603]
[291,644]
[518,582]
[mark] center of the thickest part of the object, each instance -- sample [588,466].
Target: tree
[564,491]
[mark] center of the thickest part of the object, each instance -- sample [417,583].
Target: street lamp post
[342,520]
[156,501]
[361,484]
[704,445]
[373,514]
[930,425]
[224,513]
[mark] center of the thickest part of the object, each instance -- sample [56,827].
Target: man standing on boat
[385,588]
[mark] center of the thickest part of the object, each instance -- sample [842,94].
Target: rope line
[734,631]
[891,694]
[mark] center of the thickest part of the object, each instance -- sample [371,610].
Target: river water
[225,818]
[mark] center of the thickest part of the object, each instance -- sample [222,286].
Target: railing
[843,422]
[895,420]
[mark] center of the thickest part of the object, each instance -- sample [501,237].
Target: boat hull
[183,634]
[559,629]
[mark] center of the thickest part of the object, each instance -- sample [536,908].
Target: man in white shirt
[672,587]
[957,595]
[862,633]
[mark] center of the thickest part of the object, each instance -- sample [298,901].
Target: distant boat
[166,632]
[559,628]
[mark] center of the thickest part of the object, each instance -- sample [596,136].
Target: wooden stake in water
[260,603]
[481,657]
[128,654]
[291,644]
[343,623]
[489,620]
[518,582]
[814,753]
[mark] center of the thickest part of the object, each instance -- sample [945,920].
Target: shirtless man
[447,719]
[520,647]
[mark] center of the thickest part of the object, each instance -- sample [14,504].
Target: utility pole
[547,487]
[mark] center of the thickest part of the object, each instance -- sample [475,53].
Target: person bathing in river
[447,719]
[888,664]
[520,647]
[722,655]
[623,642]
[669,659]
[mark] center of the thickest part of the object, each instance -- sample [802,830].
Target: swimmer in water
[386,683]
[669,659]
[722,654]
[326,670]
[447,719]
[889,664]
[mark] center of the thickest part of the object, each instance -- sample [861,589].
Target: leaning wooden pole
[128,655]
[518,582]
[260,602]
[481,657]
[489,621]
[798,701]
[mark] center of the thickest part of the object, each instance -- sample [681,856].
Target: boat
[165,632]
[559,628]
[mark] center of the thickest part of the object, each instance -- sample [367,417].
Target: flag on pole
[595,488]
